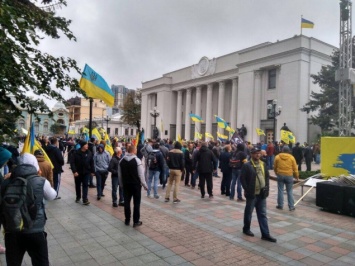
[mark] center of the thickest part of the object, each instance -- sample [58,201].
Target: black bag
[235,161]
[152,160]
[264,192]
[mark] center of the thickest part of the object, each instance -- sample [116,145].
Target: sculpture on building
[242,131]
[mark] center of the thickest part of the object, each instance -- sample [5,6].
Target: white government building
[239,87]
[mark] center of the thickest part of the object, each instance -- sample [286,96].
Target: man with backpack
[155,163]
[24,221]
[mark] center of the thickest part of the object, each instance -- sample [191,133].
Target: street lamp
[273,113]
[107,119]
[155,113]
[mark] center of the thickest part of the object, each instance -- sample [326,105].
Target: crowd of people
[154,166]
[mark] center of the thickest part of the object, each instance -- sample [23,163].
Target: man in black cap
[82,166]
[255,178]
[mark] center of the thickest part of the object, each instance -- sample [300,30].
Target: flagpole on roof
[90,119]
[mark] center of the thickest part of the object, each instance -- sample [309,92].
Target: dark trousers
[101,177]
[308,164]
[188,174]
[226,183]
[35,244]
[206,177]
[260,206]
[82,181]
[56,181]
[130,191]
[299,163]
[115,185]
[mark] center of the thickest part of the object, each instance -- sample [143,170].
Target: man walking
[56,157]
[101,163]
[255,178]
[132,179]
[176,165]
[82,166]
[205,164]
[115,170]
[188,155]
[156,165]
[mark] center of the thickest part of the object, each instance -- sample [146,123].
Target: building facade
[79,108]
[239,87]
[120,92]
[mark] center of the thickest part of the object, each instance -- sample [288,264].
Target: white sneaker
[150,196]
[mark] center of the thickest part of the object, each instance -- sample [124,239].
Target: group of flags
[99,134]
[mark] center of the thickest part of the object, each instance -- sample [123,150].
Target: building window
[116,131]
[45,127]
[60,121]
[126,131]
[36,127]
[131,131]
[272,79]
[269,111]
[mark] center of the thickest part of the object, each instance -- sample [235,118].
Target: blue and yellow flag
[260,132]
[306,23]
[230,130]
[208,135]
[291,137]
[222,137]
[221,123]
[96,134]
[95,86]
[108,146]
[196,118]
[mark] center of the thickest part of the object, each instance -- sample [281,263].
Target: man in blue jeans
[115,170]
[156,165]
[240,155]
[101,162]
[82,166]
[255,176]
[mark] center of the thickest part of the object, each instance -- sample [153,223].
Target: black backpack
[17,204]
[235,161]
[152,160]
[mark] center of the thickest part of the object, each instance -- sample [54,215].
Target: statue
[242,131]
[284,127]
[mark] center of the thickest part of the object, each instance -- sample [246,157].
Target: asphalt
[193,232]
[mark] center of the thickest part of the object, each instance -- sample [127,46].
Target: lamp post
[273,114]
[107,119]
[155,113]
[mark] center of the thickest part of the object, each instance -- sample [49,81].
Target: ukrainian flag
[196,118]
[108,146]
[96,134]
[260,132]
[221,136]
[95,86]
[221,123]
[284,136]
[306,24]
[208,135]
[230,130]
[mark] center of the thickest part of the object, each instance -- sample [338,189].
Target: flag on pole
[179,138]
[142,137]
[195,118]
[95,86]
[230,130]
[291,137]
[136,140]
[222,137]
[108,146]
[208,135]
[221,123]
[198,135]
[306,24]
[284,136]
[96,134]
[260,132]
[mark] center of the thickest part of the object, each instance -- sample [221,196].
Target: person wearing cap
[44,166]
[56,157]
[34,239]
[285,167]
[82,166]
[254,177]
[101,162]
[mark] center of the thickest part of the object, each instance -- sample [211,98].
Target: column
[178,114]
[234,108]
[187,117]
[257,106]
[221,103]
[209,109]
[198,109]
[148,130]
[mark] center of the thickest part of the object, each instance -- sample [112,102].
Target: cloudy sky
[132,41]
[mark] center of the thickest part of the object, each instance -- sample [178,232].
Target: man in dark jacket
[132,179]
[156,165]
[56,157]
[205,163]
[82,166]
[34,239]
[254,177]
[176,163]
[115,170]
[188,155]
[297,152]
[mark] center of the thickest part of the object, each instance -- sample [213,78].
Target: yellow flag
[95,132]
[260,132]
[198,135]
[208,135]
[284,136]
[291,137]
[108,146]
[179,138]
[221,136]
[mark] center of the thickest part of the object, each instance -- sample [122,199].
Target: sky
[133,41]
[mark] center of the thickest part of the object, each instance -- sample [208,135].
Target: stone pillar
[256,107]
[198,109]
[178,114]
[234,108]
[209,109]
[187,116]
[221,101]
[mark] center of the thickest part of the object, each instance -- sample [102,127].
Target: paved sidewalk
[194,232]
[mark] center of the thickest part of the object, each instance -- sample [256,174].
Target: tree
[132,109]
[325,104]
[57,129]
[23,23]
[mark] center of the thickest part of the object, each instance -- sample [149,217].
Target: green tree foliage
[132,109]
[24,68]
[57,128]
[325,103]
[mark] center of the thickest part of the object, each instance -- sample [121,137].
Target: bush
[306,174]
